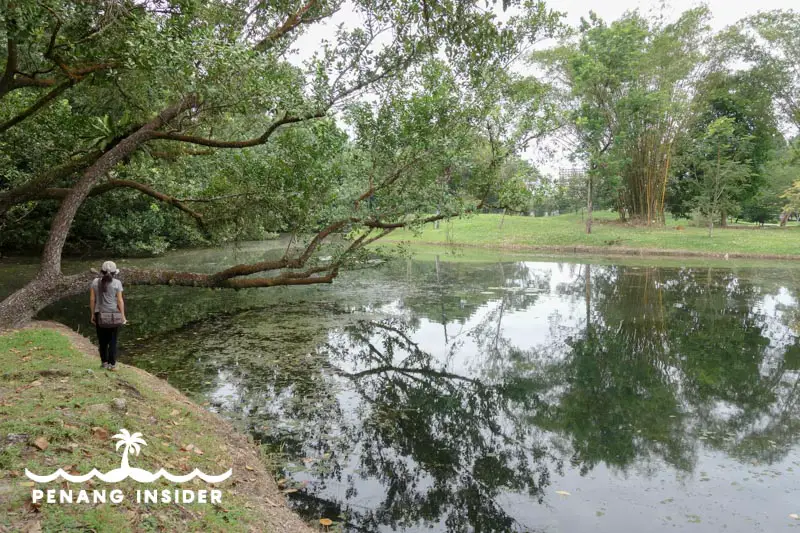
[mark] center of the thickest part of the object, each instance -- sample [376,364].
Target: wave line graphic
[136,474]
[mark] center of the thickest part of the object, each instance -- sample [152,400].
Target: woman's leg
[111,358]
[102,341]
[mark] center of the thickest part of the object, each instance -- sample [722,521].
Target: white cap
[110,267]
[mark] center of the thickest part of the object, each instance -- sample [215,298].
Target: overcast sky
[724,13]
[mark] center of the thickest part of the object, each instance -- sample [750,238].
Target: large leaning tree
[163,97]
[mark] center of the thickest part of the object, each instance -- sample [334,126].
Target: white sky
[724,13]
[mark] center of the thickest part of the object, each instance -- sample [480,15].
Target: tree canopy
[198,106]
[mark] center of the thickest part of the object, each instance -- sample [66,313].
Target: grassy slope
[51,390]
[607,234]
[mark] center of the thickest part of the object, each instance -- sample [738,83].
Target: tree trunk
[589,204]
[62,222]
[588,288]
[723,219]
[50,285]
[710,225]
[784,218]
[45,289]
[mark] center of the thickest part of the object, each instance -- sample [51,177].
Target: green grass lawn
[520,232]
[57,410]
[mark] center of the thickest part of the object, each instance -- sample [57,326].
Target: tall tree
[629,86]
[746,98]
[772,40]
[723,175]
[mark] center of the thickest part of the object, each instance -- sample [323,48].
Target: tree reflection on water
[429,411]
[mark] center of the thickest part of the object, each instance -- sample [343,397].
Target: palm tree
[131,442]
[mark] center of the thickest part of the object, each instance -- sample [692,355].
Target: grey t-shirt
[107,301]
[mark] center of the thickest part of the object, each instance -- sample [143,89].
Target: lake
[454,393]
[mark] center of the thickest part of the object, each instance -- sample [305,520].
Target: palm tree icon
[131,443]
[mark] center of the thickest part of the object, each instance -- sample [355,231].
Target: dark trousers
[107,341]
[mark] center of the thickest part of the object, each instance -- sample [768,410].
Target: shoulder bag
[109,320]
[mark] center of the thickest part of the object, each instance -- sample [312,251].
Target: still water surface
[498,395]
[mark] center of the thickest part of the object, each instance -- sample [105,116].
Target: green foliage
[627,89]
[771,40]
[415,131]
[746,100]
[722,175]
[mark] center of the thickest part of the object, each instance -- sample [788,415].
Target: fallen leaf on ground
[174,412]
[289,491]
[36,383]
[326,521]
[41,443]
[100,433]
[563,493]
[248,467]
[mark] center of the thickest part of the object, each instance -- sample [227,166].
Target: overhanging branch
[256,141]
[36,106]
[58,193]
[194,279]
[30,189]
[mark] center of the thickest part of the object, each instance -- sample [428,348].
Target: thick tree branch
[58,193]
[195,279]
[36,106]
[396,225]
[256,141]
[283,262]
[7,80]
[51,256]
[292,22]
[28,190]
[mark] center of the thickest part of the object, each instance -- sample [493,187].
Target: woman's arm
[121,306]
[91,302]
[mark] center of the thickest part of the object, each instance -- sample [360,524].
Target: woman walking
[108,312]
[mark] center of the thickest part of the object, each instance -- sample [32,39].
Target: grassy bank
[59,409]
[566,233]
